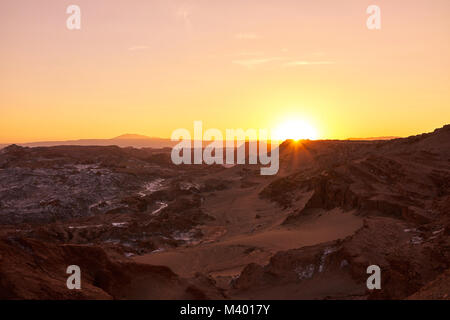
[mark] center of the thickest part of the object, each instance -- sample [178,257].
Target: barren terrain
[141,227]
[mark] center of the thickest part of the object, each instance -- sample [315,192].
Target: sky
[151,67]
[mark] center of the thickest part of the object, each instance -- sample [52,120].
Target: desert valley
[140,227]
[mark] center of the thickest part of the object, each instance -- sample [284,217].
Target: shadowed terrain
[141,227]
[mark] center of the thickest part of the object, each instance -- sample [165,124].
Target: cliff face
[400,187]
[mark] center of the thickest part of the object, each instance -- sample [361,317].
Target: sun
[295,129]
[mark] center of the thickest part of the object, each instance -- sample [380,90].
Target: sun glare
[296,130]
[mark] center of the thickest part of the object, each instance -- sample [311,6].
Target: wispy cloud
[247,36]
[257,58]
[305,63]
[255,62]
[248,54]
[282,61]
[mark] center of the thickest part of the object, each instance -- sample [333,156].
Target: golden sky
[150,67]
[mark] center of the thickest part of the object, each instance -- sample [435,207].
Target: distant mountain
[131,136]
[139,141]
[374,138]
[125,140]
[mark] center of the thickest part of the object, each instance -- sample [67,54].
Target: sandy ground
[237,237]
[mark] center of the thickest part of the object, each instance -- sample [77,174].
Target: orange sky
[151,67]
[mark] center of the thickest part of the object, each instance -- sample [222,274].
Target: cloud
[247,54]
[256,58]
[287,62]
[306,63]
[247,36]
[254,62]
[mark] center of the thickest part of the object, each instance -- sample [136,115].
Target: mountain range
[134,140]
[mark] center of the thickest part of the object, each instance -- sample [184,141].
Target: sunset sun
[295,129]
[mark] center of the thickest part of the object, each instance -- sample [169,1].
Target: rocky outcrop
[409,259]
[31,269]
